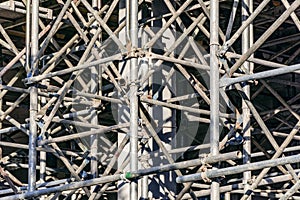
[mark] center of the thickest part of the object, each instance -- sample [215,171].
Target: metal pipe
[27,39]
[185,164]
[284,135]
[214,91]
[17,58]
[77,27]
[229,188]
[96,194]
[173,12]
[75,45]
[10,43]
[250,19]
[98,84]
[231,20]
[133,87]
[265,36]
[281,100]
[54,27]
[268,194]
[264,127]
[77,68]
[104,25]
[259,75]
[179,61]
[40,185]
[32,162]
[83,134]
[278,41]
[293,56]
[153,133]
[291,191]
[267,63]
[246,111]
[69,186]
[168,23]
[196,84]
[120,169]
[63,91]
[145,188]
[276,155]
[174,46]
[43,154]
[185,108]
[281,108]
[213,173]
[23,146]
[68,165]
[13,106]
[227,196]
[187,187]
[94,121]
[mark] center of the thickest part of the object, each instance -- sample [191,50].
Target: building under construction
[149,99]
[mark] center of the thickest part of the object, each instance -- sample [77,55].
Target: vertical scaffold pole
[214,89]
[246,111]
[33,97]
[94,140]
[28,28]
[133,36]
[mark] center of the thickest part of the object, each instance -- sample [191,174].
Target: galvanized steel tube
[33,97]
[239,169]
[214,90]
[133,38]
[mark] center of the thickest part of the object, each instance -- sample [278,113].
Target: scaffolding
[149,99]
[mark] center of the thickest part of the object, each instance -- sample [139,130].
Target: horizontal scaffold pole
[260,75]
[127,175]
[239,169]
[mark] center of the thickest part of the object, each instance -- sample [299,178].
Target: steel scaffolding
[149,99]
